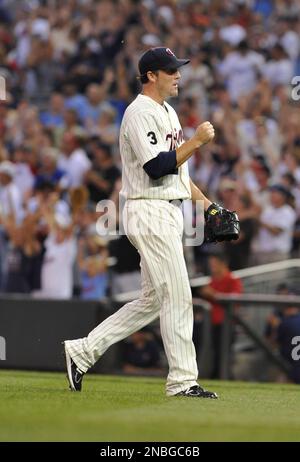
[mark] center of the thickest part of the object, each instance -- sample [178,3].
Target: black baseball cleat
[74,375]
[197,392]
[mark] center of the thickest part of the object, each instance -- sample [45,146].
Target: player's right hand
[204,133]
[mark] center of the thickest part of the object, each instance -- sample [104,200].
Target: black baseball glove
[220,224]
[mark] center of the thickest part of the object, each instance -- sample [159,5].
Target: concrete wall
[32,331]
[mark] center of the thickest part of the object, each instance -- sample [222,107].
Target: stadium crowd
[71,70]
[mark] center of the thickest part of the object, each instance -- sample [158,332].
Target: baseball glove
[220,224]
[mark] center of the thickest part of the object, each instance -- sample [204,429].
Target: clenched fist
[204,133]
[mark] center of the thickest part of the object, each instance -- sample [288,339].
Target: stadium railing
[40,325]
[259,299]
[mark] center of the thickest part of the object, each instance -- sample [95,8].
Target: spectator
[23,259]
[74,100]
[257,178]
[240,69]
[238,252]
[59,258]
[101,178]
[232,32]
[282,326]
[126,272]
[276,225]
[41,70]
[54,116]
[106,128]
[74,160]
[10,196]
[94,104]
[288,331]
[228,192]
[222,281]
[44,195]
[23,176]
[92,261]
[279,69]
[48,169]
[275,317]
[196,79]
[71,121]
[141,354]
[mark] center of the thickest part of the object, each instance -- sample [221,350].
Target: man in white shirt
[10,195]
[11,207]
[274,240]
[74,161]
[240,69]
[58,262]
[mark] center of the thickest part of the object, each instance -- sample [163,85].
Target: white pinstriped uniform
[145,117]
[147,129]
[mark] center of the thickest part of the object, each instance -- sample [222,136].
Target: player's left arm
[197,195]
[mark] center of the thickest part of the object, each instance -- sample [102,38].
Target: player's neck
[153,94]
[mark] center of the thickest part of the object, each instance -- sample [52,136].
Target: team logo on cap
[170,52]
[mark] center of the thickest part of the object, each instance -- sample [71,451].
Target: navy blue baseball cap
[159,58]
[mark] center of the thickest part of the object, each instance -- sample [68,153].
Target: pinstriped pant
[155,228]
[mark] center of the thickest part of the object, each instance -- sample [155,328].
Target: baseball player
[155,180]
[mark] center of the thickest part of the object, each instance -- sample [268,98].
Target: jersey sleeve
[144,137]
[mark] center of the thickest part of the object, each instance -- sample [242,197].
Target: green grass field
[38,407]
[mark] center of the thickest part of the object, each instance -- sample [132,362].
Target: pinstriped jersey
[147,129]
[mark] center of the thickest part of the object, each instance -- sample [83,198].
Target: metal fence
[259,299]
[31,330]
[256,301]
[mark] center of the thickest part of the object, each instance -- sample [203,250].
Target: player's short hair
[144,79]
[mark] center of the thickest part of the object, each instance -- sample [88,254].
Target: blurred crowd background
[71,70]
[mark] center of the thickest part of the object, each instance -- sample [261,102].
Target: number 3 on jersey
[153,139]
